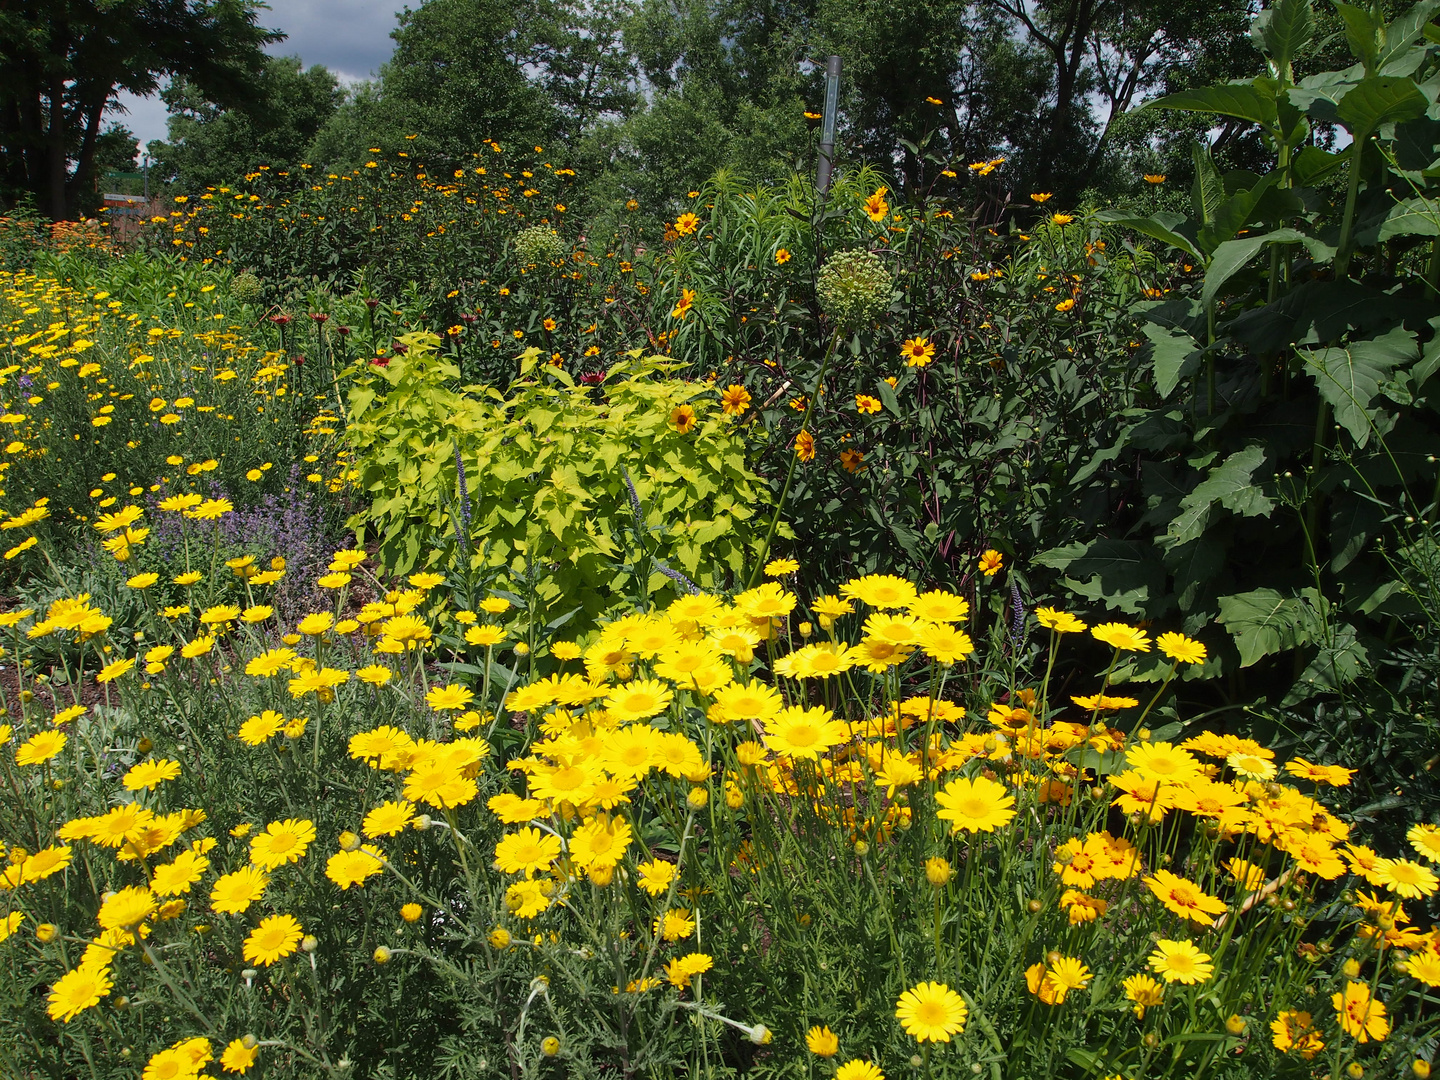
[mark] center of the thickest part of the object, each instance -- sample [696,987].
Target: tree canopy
[66,61]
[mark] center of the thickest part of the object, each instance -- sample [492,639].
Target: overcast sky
[350,37]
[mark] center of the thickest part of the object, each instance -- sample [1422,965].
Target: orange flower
[734,399]
[682,419]
[805,446]
[917,351]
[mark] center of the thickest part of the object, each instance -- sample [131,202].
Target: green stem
[790,472]
[1342,256]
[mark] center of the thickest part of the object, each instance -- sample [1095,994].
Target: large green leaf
[1402,33]
[1362,33]
[1230,484]
[1230,258]
[1282,30]
[1127,576]
[1349,377]
[1242,100]
[1412,217]
[1376,100]
[1158,226]
[1265,622]
[1233,213]
[1174,354]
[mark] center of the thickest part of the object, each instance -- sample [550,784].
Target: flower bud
[862,848]
[550,1046]
[1420,1068]
[601,876]
[806,629]
[144,746]
[1351,968]
[760,1035]
[349,841]
[499,937]
[853,287]
[521,649]
[309,943]
[249,1042]
[1235,1024]
[411,912]
[697,798]
[938,872]
[46,933]
[1355,1070]
[421,822]
[382,955]
[1151,1040]
[248,973]
[1034,907]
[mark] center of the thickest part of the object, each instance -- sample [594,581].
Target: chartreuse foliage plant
[755,834]
[580,493]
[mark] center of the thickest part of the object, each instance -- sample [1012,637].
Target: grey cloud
[350,36]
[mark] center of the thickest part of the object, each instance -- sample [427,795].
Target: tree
[1106,56]
[116,150]
[210,145]
[460,74]
[65,61]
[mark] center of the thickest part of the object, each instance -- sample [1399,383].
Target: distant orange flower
[851,460]
[805,446]
[687,301]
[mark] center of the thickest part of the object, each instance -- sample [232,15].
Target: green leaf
[1126,575]
[1233,213]
[1174,355]
[1310,165]
[1208,191]
[1379,99]
[1158,226]
[1230,485]
[1412,217]
[1335,666]
[1232,256]
[1349,377]
[1265,622]
[1242,100]
[1282,30]
[888,398]
[1362,33]
[1402,33]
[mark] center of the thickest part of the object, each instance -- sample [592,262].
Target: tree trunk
[85,163]
[55,159]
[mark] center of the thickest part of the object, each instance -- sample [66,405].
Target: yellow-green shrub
[545,475]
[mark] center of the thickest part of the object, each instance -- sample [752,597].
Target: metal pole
[827,126]
[145,167]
